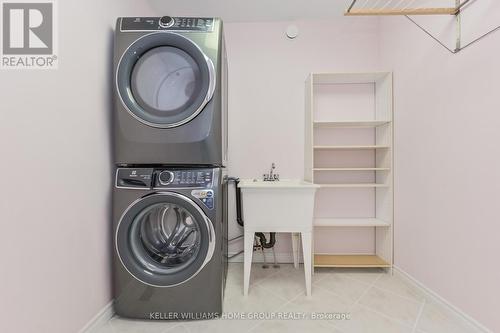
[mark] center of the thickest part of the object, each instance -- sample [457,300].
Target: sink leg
[247,263]
[312,253]
[295,249]
[306,250]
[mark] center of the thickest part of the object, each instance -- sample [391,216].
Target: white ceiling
[252,10]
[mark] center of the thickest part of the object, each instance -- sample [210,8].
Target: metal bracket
[459,47]
[458,20]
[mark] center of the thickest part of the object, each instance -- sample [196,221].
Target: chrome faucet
[271,176]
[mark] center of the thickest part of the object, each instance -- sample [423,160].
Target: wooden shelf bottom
[331,260]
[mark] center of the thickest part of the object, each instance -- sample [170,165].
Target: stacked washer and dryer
[170,148]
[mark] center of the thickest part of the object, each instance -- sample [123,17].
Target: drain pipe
[262,238]
[236,181]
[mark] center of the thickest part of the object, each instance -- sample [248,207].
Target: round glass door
[164,80]
[164,239]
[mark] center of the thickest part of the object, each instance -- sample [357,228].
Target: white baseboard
[101,318]
[440,300]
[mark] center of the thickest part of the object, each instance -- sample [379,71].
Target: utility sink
[278,206]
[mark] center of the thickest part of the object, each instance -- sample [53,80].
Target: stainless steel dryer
[170,240]
[170,91]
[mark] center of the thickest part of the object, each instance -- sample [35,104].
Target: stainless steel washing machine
[170,242]
[170,91]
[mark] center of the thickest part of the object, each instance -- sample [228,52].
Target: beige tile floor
[374,301]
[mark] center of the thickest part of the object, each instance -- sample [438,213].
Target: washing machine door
[164,239]
[164,79]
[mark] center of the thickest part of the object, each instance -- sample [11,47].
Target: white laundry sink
[278,205]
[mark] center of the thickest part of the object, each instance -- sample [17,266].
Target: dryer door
[164,79]
[164,239]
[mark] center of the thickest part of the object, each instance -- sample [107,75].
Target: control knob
[166,21]
[166,177]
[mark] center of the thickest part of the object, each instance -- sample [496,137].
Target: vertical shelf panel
[384,197]
[308,130]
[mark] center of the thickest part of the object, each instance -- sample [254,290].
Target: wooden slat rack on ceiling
[403,7]
[409,8]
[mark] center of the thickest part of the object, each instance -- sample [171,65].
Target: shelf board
[331,260]
[351,169]
[349,147]
[350,123]
[350,222]
[352,185]
[320,78]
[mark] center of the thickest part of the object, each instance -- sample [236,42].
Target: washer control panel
[148,178]
[204,24]
[184,178]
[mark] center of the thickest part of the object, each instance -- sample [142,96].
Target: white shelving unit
[349,152]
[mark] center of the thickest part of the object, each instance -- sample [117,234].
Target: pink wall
[267,73]
[447,160]
[56,176]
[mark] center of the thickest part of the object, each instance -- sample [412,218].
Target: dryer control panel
[169,23]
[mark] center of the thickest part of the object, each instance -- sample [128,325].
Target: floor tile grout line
[420,311]
[343,297]
[353,279]
[332,323]
[365,292]
[287,302]
[396,294]
[375,311]
[411,284]
[319,279]
[270,290]
[332,293]
[264,278]
[177,326]
[402,323]
[256,283]
[279,296]
[263,321]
